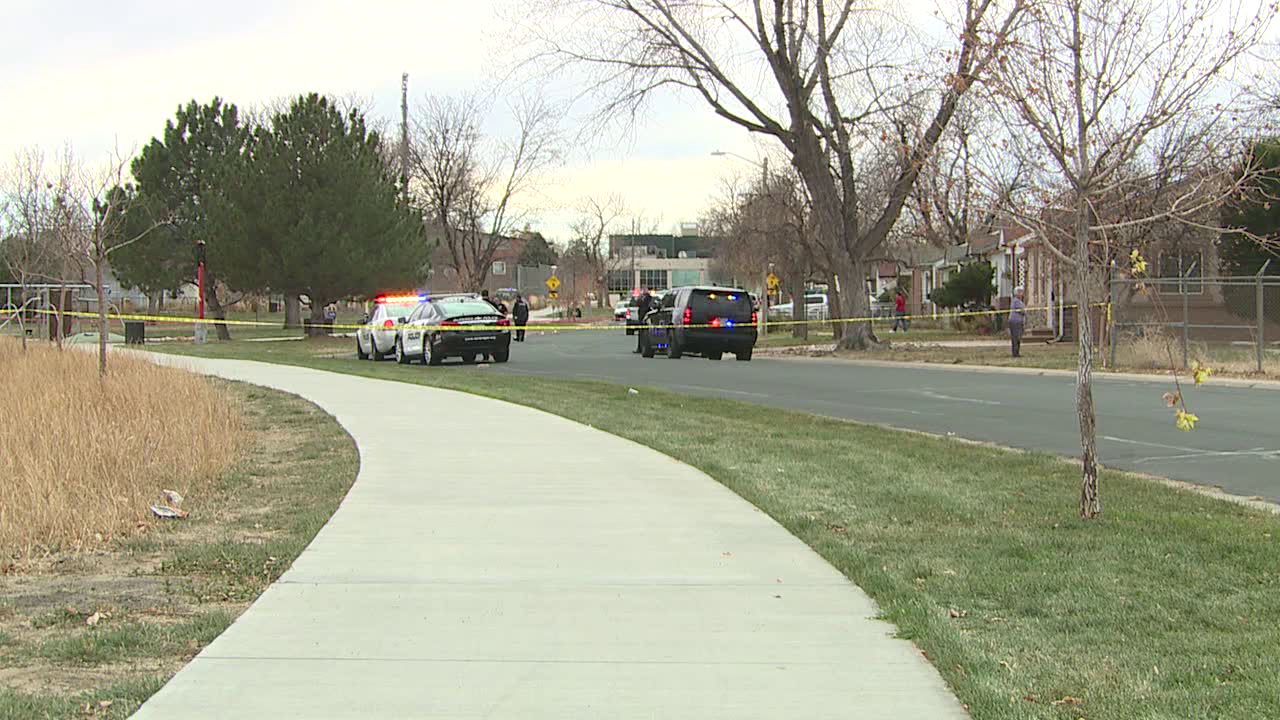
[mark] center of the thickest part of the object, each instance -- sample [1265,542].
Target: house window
[1185,264]
[499,267]
[653,279]
[620,281]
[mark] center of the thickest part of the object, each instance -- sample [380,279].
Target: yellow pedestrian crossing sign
[553,283]
[773,281]
[553,294]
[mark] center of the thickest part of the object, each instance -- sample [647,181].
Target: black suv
[707,320]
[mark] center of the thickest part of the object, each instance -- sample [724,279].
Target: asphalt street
[1236,445]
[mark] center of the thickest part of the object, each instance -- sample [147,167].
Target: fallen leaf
[1068,700]
[954,613]
[104,704]
[1171,399]
[1032,698]
[93,619]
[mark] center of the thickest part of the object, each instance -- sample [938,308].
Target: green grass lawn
[1164,608]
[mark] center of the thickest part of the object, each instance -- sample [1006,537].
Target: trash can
[135,332]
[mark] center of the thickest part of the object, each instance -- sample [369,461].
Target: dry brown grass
[82,457]
[1159,350]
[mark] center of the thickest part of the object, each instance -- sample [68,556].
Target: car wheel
[428,358]
[715,355]
[646,346]
[401,357]
[501,355]
[469,358]
[743,355]
[360,353]
[374,352]
[435,358]
[674,351]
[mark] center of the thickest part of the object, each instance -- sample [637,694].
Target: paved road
[1237,445]
[600,579]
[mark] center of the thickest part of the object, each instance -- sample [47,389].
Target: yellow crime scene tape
[537,327]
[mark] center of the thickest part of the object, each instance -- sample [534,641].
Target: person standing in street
[498,305]
[520,316]
[1017,321]
[643,306]
[900,312]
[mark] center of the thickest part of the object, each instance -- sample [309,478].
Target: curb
[802,354]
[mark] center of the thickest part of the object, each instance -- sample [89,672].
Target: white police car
[376,338]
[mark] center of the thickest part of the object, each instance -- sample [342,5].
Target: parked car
[706,320]
[376,337]
[620,311]
[438,329]
[817,308]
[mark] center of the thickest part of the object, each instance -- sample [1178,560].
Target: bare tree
[1109,95]
[967,182]
[834,72]
[474,191]
[596,218]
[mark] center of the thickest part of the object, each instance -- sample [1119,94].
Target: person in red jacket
[900,318]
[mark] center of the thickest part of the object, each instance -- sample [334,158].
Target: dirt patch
[111,623]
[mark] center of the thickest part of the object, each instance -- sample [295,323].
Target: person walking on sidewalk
[1017,321]
[900,312]
[643,306]
[520,316]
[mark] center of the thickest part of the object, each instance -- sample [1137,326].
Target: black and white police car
[442,327]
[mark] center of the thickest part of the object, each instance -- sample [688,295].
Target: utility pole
[762,318]
[405,135]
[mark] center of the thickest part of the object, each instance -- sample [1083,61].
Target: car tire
[433,357]
[401,356]
[501,355]
[674,351]
[715,355]
[426,356]
[360,353]
[743,355]
[469,358]
[646,346]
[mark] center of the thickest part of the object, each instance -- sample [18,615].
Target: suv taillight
[688,316]
[503,322]
[389,324]
[755,318]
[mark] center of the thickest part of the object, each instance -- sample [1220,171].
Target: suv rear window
[720,303]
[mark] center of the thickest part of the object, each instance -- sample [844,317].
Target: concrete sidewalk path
[494,561]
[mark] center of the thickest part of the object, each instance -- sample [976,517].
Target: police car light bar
[399,299]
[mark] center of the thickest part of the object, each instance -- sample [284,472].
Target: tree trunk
[292,312]
[799,310]
[153,302]
[317,317]
[1090,500]
[215,305]
[854,304]
[98,259]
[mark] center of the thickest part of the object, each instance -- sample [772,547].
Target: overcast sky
[104,75]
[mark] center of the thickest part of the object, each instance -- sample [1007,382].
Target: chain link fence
[1229,322]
